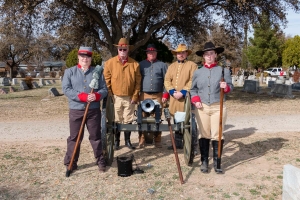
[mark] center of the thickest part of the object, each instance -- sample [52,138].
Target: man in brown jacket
[123,80]
[178,82]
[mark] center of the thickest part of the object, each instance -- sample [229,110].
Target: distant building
[53,66]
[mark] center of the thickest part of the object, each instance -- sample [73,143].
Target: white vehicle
[275,71]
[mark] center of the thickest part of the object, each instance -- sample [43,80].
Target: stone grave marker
[3,91]
[251,86]
[240,80]
[12,89]
[53,92]
[282,90]
[251,77]
[14,81]
[270,84]
[287,82]
[23,86]
[4,82]
[291,182]
[53,81]
[35,85]
[48,82]
[42,82]
[296,86]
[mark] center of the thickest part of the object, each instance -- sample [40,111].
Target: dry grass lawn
[252,163]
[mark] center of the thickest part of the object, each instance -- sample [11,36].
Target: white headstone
[14,81]
[240,80]
[291,183]
[268,79]
[41,82]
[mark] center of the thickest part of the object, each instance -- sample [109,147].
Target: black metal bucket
[125,166]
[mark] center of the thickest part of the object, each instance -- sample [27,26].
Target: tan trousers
[208,119]
[124,110]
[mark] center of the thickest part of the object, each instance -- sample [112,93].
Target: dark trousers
[93,125]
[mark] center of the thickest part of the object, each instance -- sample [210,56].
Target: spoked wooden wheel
[190,134]
[107,126]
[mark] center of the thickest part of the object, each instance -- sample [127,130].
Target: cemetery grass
[252,163]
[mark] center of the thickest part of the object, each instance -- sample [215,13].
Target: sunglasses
[122,49]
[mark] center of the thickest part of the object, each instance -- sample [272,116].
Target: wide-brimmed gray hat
[209,46]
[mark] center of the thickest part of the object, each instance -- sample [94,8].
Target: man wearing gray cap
[76,87]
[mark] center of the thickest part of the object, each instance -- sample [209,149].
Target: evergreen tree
[265,47]
[291,55]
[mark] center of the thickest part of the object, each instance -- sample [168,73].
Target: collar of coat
[153,61]
[182,61]
[80,67]
[210,66]
[123,61]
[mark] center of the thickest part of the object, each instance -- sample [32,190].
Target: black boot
[117,140]
[204,151]
[178,137]
[217,163]
[127,140]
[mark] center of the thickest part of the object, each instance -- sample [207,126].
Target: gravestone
[251,86]
[291,183]
[4,82]
[23,86]
[296,86]
[14,81]
[282,90]
[251,77]
[53,92]
[12,89]
[270,84]
[240,80]
[287,82]
[35,85]
[48,82]
[3,91]
[42,82]
[53,81]
[267,80]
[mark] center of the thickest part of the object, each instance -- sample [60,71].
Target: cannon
[148,123]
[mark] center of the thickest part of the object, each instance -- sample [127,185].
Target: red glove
[98,96]
[83,97]
[166,95]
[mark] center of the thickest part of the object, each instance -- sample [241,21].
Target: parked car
[275,71]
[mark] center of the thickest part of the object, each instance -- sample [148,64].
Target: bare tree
[16,36]
[102,23]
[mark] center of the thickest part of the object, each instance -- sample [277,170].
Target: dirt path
[58,129]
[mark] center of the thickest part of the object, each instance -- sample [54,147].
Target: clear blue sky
[293,26]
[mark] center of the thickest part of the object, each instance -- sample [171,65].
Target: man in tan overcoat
[123,80]
[178,81]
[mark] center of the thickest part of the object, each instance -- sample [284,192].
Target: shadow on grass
[246,152]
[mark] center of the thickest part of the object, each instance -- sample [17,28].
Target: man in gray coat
[75,86]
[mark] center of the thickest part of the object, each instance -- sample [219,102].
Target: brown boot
[157,140]
[141,141]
